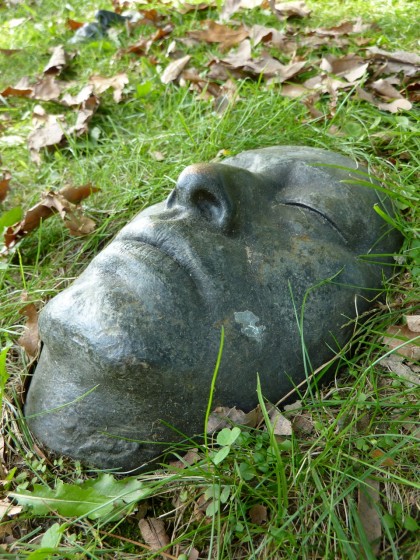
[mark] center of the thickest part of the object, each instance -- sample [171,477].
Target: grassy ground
[303,496]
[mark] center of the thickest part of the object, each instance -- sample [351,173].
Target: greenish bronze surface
[130,347]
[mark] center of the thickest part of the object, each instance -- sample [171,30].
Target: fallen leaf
[386,89]
[413,322]
[77,194]
[392,107]
[60,202]
[368,496]
[405,342]
[191,457]
[224,417]
[218,33]
[174,69]
[74,25]
[230,7]
[9,52]
[258,514]
[21,89]
[260,33]
[30,340]
[294,90]
[8,509]
[5,177]
[398,61]
[303,424]
[344,28]
[49,131]
[281,426]
[57,62]
[394,363]
[79,98]
[158,156]
[117,83]
[286,10]
[84,115]
[79,225]
[47,89]
[386,460]
[350,67]
[12,140]
[153,533]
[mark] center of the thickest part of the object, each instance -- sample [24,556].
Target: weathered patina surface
[130,347]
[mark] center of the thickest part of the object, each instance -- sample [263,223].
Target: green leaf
[221,455]
[10,217]
[53,536]
[246,471]
[212,508]
[94,498]
[228,436]
[410,524]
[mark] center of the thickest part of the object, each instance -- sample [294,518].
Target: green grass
[359,428]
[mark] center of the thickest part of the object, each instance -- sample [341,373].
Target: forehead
[329,183]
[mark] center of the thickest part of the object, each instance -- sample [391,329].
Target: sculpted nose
[207,191]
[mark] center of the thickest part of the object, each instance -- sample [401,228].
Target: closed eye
[319,213]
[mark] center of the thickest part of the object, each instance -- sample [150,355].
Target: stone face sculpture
[252,244]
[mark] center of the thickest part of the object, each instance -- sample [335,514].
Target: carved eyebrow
[316,211]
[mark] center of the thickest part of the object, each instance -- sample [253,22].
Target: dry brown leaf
[78,224]
[50,133]
[294,90]
[5,177]
[22,89]
[309,103]
[230,7]
[398,335]
[392,107]
[386,461]
[218,33]
[269,35]
[394,363]
[74,25]
[344,28]
[7,508]
[117,83]
[51,203]
[386,89]
[286,10]
[368,496]
[84,115]
[153,533]
[78,99]
[413,322]
[281,426]
[30,340]
[47,89]
[350,67]
[258,514]
[303,424]
[191,457]
[10,52]
[77,194]
[174,69]
[395,62]
[57,62]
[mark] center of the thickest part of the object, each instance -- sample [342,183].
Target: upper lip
[172,244]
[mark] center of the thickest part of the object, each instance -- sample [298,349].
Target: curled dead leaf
[22,89]
[219,33]
[281,426]
[77,194]
[153,532]
[57,62]
[404,341]
[30,340]
[47,89]
[224,417]
[117,83]
[392,107]
[5,177]
[174,69]
[258,514]
[8,509]
[386,89]
[79,98]
[285,10]
[413,322]
[368,497]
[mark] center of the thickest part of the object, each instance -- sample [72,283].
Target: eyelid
[318,212]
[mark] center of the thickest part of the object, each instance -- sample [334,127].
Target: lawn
[92,132]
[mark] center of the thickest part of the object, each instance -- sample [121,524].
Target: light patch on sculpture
[249,324]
